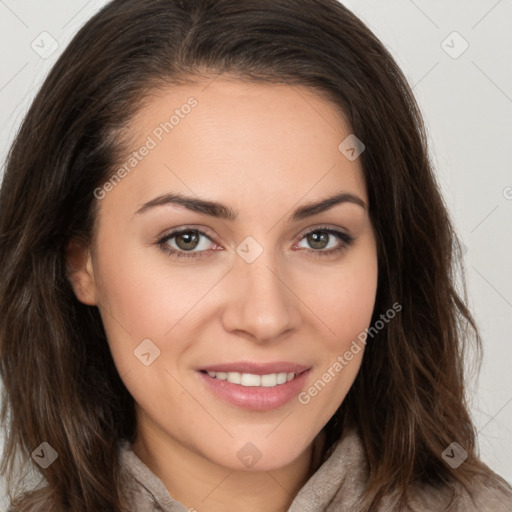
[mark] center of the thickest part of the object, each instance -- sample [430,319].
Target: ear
[80,272]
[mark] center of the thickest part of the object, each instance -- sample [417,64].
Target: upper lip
[257,368]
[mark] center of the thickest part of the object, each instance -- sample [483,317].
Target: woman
[227,273]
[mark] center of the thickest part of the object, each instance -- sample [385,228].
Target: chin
[258,455]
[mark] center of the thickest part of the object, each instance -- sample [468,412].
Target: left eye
[319,238]
[187,243]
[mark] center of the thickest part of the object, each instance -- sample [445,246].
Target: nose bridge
[262,305]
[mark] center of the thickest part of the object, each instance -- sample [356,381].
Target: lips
[255,386]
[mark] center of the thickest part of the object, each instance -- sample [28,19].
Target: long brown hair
[60,382]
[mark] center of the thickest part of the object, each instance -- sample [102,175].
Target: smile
[252,380]
[256,387]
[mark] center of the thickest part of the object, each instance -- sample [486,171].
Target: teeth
[269,381]
[281,378]
[248,379]
[252,380]
[234,377]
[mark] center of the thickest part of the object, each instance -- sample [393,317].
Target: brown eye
[318,239]
[186,243]
[187,240]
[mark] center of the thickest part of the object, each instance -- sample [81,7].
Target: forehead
[228,139]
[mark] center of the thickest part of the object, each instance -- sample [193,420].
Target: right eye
[185,241]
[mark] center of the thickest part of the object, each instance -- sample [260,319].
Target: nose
[261,303]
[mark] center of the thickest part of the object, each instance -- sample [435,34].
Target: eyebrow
[221,211]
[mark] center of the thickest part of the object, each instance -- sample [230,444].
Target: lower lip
[256,398]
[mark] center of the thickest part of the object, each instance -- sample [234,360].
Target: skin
[262,150]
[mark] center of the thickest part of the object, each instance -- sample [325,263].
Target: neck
[202,485]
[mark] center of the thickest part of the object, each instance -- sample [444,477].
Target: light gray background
[467,105]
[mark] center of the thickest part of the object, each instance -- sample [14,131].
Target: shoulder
[489,493]
[347,470]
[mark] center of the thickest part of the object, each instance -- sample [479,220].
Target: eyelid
[210,234]
[322,227]
[176,231]
[341,233]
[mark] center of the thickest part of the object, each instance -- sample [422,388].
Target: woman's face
[244,293]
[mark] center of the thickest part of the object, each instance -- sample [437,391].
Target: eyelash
[346,239]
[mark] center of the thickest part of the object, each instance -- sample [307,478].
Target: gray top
[336,485]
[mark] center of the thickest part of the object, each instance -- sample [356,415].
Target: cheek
[339,355]
[352,310]
[346,300]
[346,307]
[139,305]
[146,298]
[131,303]
[138,293]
